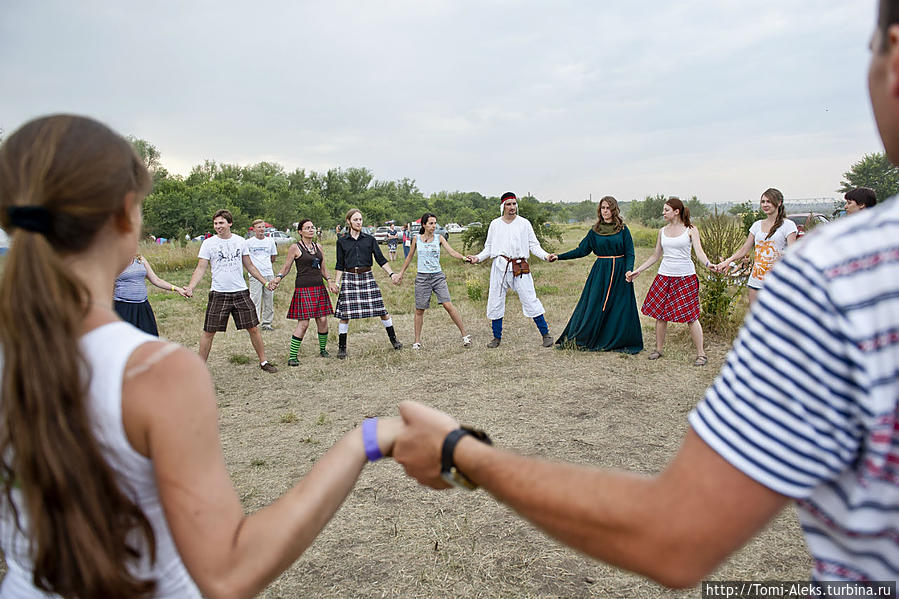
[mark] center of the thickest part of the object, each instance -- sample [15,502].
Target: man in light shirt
[228,296]
[263,253]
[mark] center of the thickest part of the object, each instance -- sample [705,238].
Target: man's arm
[251,268]
[199,271]
[534,244]
[487,252]
[674,527]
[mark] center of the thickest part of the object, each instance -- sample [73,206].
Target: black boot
[341,346]
[391,333]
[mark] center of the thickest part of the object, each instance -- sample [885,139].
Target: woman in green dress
[606,317]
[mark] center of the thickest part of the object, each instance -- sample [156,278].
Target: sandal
[655,355]
[701,361]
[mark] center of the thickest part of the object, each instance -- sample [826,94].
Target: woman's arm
[629,255]
[697,247]
[158,282]
[331,286]
[449,249]
[744,249]
[580,251]
[408,260]
[170,416]
[656,254]
[791,238]
[292,254]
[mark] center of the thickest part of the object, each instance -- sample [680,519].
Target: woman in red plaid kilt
[310,296]
[674,293]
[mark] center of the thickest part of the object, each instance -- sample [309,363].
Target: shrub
[721,235]
[474,288]
[644,238]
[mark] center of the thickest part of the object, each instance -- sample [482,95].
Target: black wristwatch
[448,470]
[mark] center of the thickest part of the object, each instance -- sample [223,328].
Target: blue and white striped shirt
[807,403]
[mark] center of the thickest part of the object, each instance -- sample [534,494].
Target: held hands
[471,259]
[188,291]
[552,258]
[419,443]
[273,284]
[398,279]
[332,287]
[631,275]
[182,291]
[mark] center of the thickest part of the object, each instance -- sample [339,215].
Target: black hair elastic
[36,219]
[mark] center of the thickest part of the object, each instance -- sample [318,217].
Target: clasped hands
[415,440]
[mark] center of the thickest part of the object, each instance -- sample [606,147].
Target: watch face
[457,479]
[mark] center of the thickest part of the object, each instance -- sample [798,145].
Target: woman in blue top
[130,296]
[430,278]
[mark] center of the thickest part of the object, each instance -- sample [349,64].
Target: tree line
[182,206]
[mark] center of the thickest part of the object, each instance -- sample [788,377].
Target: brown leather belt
[359,270]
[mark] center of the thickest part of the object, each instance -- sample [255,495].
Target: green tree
[147,152]
[874,171]
[528,207]
[648,211]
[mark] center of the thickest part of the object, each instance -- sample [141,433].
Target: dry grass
[393,538]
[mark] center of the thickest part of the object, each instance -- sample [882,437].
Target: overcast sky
[718,99]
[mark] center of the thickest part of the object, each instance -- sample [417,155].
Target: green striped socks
[294,347]
[322,341]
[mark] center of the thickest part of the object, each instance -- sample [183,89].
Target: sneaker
[324,353]
[267,327]
[396,344]
[268,367]
[547,340]
[416,346]
[466,341]
[341,353]
[493,343]
[293,362]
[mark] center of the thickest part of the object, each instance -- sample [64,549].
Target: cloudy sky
[715,98]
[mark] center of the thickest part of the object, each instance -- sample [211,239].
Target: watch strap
[448,470]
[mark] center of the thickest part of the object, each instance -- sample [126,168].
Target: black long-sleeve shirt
[358,253]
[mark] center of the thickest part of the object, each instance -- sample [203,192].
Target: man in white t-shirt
[510,240]
[263,253]
[228,296]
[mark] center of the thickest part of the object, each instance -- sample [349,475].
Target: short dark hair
[303,222]
[887,15]
[225,214]
[863,196]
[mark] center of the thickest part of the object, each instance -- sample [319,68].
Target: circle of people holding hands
[604,319]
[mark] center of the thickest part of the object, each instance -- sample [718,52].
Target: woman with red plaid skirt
[674,294]
[310,297]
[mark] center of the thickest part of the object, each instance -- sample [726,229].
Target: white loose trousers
[501,281]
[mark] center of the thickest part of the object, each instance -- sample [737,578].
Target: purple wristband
[370,439]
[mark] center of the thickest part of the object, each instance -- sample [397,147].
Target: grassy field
[393,538]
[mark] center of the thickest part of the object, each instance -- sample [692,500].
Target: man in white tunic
[510,240]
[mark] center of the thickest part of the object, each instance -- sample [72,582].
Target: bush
[474,288]
[644,238]
[721,235]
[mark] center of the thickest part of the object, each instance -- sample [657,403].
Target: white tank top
[107,349]
[676,252]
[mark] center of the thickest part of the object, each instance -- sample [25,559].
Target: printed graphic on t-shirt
[227,257]
[766,255]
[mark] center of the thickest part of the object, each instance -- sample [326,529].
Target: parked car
[280,237]
[381,234]
[807,220]
[455,228]
[474,224]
